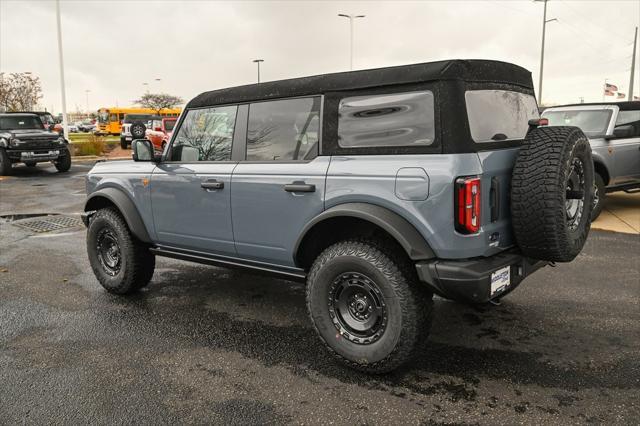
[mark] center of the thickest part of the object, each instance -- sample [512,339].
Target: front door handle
[212,184]
[299,187]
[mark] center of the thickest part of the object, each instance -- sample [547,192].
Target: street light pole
[61,62]
[87,93]
[351,18]
[544,29]
[257,61]
[633,65]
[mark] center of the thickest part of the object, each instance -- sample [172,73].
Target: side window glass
[287,129]
[205,135]
[392,120]
[629,118]
[113,117]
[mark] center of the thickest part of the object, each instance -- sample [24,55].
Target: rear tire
[552,193]
[599,196]
[5,163]
[120,262]
[123,143]
[367,305]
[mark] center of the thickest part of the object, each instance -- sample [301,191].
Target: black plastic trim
[126,207]
[290,273]
[398,227]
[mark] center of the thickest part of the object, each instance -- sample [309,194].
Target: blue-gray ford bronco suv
[379,188]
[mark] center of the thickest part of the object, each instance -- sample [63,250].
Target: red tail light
[467,205]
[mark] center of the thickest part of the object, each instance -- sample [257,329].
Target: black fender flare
[398,227]
[126,208]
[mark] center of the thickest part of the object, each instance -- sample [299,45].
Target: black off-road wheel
[138,130]
[123,143]
[366,304]
[5,163]
[599,195]
[63,164]
[120,262]
[552,193]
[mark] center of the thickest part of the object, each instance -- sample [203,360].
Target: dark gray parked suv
[378,188]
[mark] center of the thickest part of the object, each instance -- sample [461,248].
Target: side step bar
[628,187]
[289,273]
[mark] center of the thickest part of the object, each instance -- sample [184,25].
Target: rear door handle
[212,184]
[299,187]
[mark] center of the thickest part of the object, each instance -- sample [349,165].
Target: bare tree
[19,91]
[159,101]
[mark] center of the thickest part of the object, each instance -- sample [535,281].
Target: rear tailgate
[497,166]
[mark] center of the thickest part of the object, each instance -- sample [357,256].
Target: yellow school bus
[110,119]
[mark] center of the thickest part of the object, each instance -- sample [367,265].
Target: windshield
[19,122]
[169,125]
[499,115]
[47,119]
[103,117]
[591,122]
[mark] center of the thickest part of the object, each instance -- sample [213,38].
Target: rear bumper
[470,280]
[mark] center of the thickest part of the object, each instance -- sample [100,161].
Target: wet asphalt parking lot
[209,345]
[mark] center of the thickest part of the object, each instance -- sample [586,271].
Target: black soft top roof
[623,106]
[458,69]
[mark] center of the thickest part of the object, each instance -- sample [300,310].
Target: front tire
[5,163]
[63,164]
[120,262]
[367,306]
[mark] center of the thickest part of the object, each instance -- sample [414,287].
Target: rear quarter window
[499,115]
[390,120]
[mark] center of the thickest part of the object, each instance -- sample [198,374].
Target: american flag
[621,95]
[608,92]
[610,87]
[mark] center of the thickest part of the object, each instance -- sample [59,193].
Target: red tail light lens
[467,205]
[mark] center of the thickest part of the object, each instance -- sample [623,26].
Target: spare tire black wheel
[552,193]
[138,130]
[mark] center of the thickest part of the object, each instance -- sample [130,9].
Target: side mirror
[142,150]
[622,132]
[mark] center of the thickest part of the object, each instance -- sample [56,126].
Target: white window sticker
[500,279]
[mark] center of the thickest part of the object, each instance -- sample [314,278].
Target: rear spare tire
[138,130]
[552,193]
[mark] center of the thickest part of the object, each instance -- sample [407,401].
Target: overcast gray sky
[113,47]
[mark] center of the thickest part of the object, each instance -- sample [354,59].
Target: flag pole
[633,65]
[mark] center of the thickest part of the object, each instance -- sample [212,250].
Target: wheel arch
[113,197]
[601,169]
[351,220]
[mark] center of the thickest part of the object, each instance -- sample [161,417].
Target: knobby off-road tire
[551,220]
[64,163]
[599,195]
[120,262]
[386,279]
[138,130]
[5,163]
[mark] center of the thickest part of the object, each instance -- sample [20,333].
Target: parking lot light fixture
[257,61]
[351,18]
